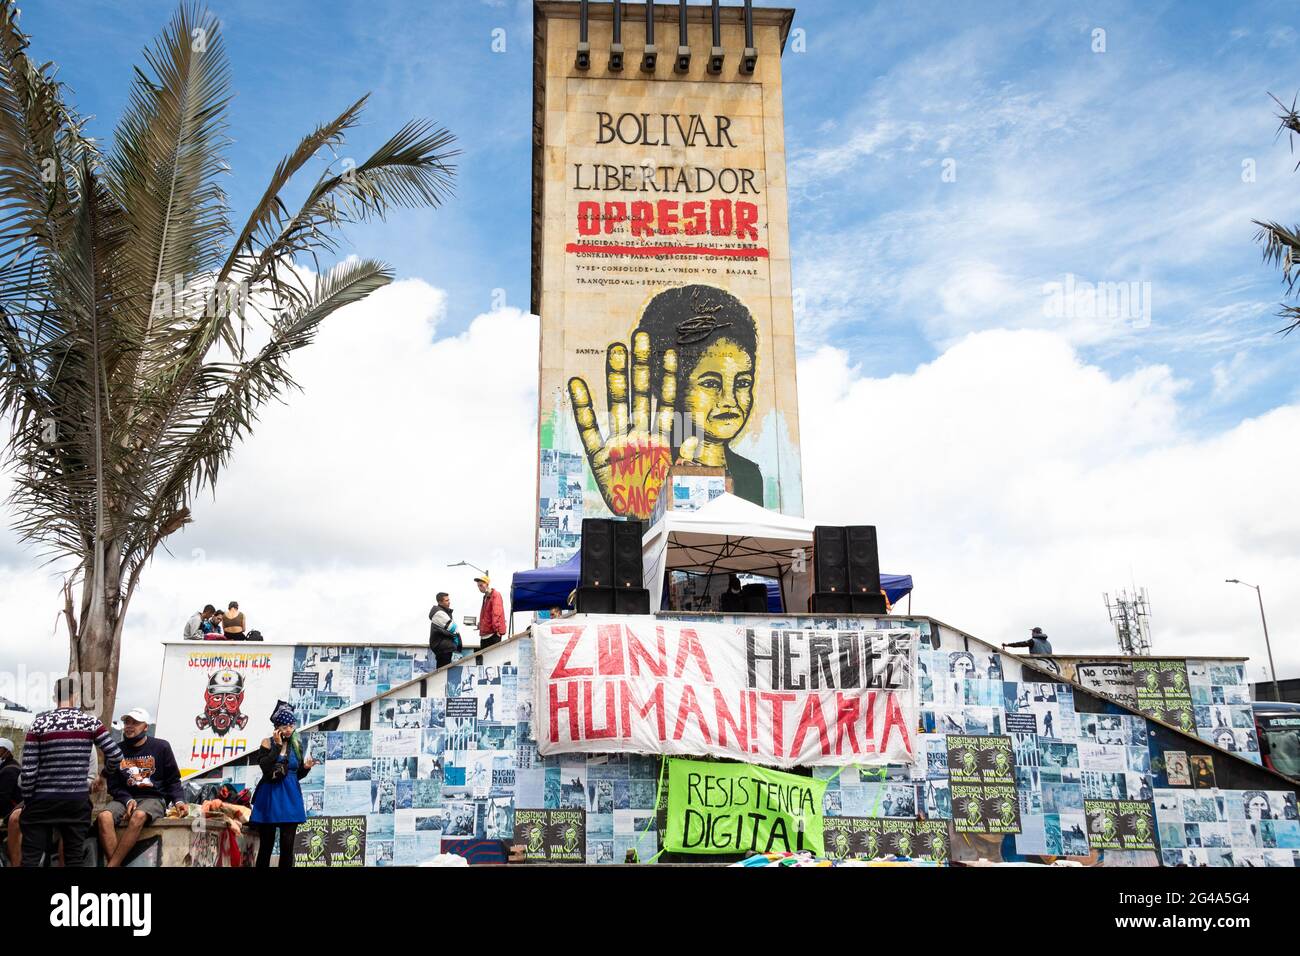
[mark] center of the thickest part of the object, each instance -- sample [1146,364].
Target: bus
[1278,726]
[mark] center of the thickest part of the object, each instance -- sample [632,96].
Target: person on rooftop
[1037,643]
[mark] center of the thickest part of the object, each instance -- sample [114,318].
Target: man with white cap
[143,786]
[492,617]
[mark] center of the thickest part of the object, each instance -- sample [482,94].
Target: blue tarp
[544,588]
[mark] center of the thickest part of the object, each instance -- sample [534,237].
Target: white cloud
[1013,480]
[1017,483]
[404,453]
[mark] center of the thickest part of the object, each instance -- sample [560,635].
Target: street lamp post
[1277,694]
[466,564]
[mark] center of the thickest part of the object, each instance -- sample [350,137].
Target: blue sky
[1115,166]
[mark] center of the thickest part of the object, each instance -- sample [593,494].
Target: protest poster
[1163,692]
[1112,678]
[347,841]
[1120,824]
[552,836]
[983,759]
[869,838]
[982,771]
[331,841]
[781,697]
[311,842]
[1177,770]
[739,808]
[985,808]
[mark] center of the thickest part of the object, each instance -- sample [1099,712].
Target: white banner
[216,699]
[786,698]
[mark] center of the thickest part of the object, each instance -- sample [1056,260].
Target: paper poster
[1203,772]
[740,808]
[552,836]
[982,771]
[865,838]
[331,841]
[1163,692]
[1177,768]
[1120,824]
[1112,678]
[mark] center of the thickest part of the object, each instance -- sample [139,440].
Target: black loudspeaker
[755,598]
[864,559]
[631,601]
[627,554]
[830,559]
[596,600]
[869,603]
[597,561]
[831,602]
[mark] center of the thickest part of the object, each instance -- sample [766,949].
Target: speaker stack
[846,570]
[610,575]
[755,598]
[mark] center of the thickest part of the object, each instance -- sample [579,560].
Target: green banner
[736,807]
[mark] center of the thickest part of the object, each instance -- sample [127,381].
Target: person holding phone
[277,804]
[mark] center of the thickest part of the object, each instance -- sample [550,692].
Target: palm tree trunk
[95,647]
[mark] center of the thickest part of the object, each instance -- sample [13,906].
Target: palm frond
[164,169]
[224,398]
[125,380]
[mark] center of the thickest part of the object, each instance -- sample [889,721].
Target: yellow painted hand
[631,464]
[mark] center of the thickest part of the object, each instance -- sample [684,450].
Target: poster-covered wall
[1208,697]
[661,273]
[451,764]
[216,696]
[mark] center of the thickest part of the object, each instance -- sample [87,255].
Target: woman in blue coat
[277,804]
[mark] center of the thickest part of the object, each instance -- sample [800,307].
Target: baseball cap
[6,744]
[484,578]
[140,715]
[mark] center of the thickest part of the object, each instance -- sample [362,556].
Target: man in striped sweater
[58,767]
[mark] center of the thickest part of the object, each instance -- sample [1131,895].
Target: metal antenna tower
[1131,616]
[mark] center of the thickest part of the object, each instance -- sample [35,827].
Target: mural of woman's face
[718,393]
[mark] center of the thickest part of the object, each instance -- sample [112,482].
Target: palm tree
[1282,245]
[129,307]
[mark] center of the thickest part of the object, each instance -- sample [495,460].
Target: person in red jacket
[492,617]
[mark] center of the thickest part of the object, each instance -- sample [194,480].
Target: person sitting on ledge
[1037,643]
[194,629]
[145,783]
[211,626]
[232,623]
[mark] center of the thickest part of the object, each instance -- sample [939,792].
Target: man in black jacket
[442,630]
[1037,643]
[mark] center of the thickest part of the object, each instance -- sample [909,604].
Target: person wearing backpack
[443,639]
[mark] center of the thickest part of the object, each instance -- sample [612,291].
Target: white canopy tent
[730,535]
